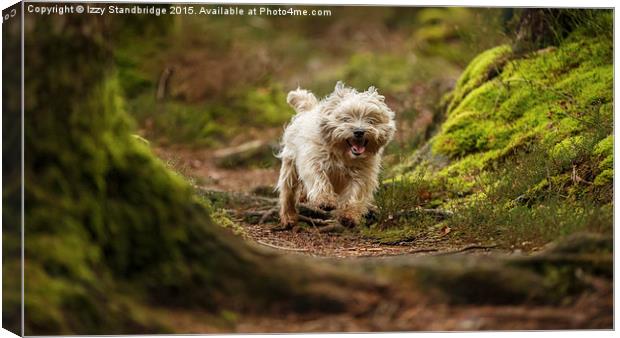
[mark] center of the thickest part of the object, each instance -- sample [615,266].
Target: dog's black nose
[358,133]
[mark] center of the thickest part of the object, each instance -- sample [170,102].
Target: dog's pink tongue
[358,149]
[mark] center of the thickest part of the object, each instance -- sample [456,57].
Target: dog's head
[357,123]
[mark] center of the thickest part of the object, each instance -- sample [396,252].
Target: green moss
[478,71]
[529,139]
[554,85]
[221,218]
[605,178]
[568,149]
[605,150]
[468,138]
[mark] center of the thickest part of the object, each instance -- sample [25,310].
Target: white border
[417,3]
[469,3]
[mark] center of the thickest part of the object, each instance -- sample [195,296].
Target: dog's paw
[347,222]
[349,216]
[286,222]
[325,203]
[326,206]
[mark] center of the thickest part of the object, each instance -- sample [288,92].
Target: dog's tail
[301,100]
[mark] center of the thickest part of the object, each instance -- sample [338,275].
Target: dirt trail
[200,168]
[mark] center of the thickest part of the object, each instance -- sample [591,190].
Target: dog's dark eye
[345,119]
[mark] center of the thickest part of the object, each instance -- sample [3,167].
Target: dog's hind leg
[287,186]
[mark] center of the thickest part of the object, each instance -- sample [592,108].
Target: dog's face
[358,124]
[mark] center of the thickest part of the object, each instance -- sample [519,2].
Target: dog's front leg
[355,200]
[352,205]
[319,190]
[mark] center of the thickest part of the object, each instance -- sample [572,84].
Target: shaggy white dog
[331,152]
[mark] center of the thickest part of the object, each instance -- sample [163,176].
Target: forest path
[249,189]
[243,190]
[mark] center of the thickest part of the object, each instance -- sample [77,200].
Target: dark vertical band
[12,169]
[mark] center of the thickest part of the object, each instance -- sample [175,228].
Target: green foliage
[211,123]
[530,198]
[605,178]
[391,73]
[447,32]
[408,192]
[265,106]
[133,80]
[411,192]
[172,121]
[530,226]
[84,223]
[605,150]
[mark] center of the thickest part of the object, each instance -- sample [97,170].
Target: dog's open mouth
[357,146]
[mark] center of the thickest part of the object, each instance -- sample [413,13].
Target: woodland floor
[591,309]
[199,166]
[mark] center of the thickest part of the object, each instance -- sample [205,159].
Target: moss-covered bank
[527,145]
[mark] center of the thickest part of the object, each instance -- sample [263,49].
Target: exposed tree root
[470,247]
[280,247]
[261,210]
[265,210]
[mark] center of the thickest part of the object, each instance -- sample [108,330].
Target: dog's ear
[341,90]
[301,100]
[372,91]
[339,86]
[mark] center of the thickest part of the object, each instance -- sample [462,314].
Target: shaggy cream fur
[331,152]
